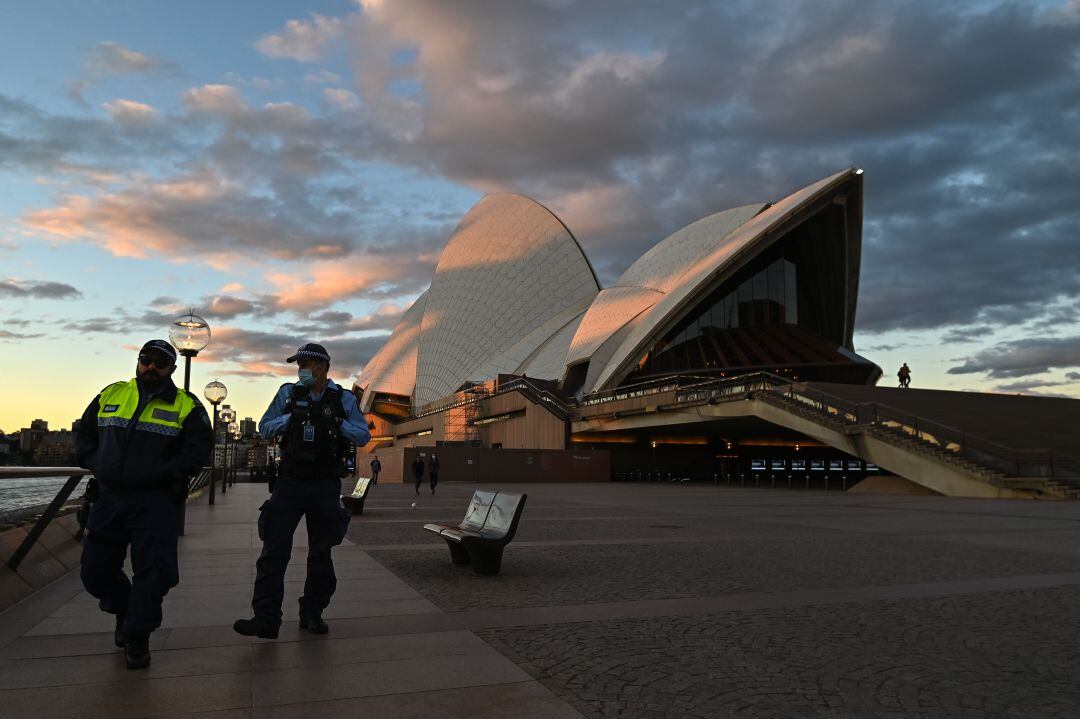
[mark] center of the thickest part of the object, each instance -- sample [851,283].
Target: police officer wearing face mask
[143,439]
[315,419]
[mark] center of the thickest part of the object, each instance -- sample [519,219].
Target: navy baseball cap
[161,347]
[311,350]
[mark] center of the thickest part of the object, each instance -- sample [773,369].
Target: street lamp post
[189,335]
[215,394]
[228,416]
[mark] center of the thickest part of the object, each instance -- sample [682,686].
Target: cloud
[629,121]
[37,289]
[303,40]
[111,59]
[250,353]
[221,99]
[322,77]
[1032,387]
[337,323]
[1020,358]
[341,99]
[200,215]
[9,335]
[961,335]
[129,111]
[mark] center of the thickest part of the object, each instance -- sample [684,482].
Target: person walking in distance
[376,467]
[905,375]
[316,420]
[418,472]
[433,471]
[143,439]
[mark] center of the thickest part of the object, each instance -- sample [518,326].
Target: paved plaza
[627,600]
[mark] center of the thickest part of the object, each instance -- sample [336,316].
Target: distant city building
[247,427]
[55,449]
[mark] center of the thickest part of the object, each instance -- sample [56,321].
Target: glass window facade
[768,297]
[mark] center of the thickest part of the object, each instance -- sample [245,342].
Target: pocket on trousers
[342,523]
[262,520]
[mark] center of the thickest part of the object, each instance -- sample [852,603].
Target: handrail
[1001,458]
[75,476]
[520,384]
[654,386]
[998,457]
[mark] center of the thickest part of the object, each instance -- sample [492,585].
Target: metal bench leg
[458,554]
[486,560]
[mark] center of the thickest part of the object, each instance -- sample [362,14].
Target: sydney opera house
[516,362]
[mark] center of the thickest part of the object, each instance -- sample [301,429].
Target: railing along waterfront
[75,475]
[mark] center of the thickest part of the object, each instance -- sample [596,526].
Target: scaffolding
[460,420]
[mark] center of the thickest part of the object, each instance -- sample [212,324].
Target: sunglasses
[159,362]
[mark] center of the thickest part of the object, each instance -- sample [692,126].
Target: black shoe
[313,623]
[137,650]
[118,637]
[257,627]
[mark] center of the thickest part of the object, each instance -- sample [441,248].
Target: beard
[151,379]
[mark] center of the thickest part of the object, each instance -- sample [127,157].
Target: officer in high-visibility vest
[143,439]
[315,420]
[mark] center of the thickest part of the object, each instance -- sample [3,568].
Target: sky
[292,170]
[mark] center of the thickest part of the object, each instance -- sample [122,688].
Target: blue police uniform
[313,428]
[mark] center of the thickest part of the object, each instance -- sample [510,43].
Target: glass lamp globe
[189,334]
[215,393]
[228,415]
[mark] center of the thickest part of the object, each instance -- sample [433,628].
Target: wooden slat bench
[490,523]
[355,502]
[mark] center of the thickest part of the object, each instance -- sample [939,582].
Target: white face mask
[307,377]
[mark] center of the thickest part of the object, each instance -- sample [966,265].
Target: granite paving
[615,600]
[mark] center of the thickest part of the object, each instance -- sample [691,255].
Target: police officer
[315,419]
[143,439]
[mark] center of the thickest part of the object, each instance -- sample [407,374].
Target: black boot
[137,650]
[313,623]
[260,627]
[119,639]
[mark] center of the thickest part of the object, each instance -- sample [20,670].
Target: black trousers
[147,521]
[434,478]
[318,501]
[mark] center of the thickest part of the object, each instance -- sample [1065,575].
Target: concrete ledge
[54,554]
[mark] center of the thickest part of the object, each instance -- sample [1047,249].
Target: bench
[355,502]
[490,523]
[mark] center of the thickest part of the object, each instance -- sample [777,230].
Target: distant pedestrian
[433,471]
[418,472]
[143,439]
[905,375]
[376,467]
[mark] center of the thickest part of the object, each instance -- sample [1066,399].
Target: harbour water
[25,492]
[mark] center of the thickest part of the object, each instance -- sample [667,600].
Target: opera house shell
[769,286]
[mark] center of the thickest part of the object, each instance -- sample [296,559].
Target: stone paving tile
[108,666]
[130,700]
[541,576]
[393,676]
[518,700]
[1000,654]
